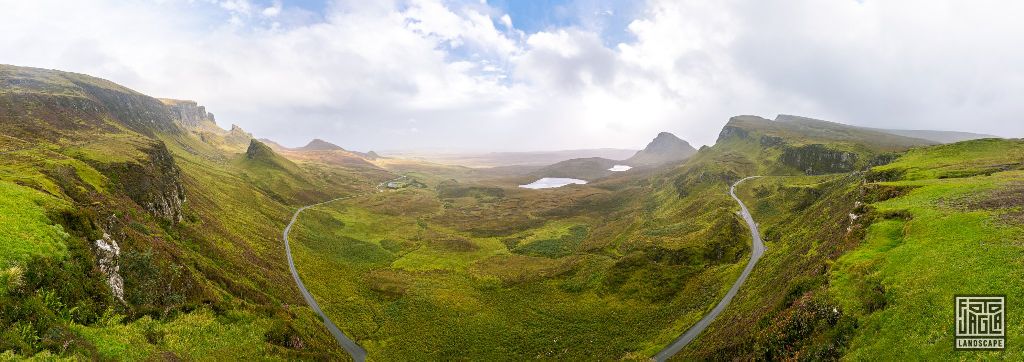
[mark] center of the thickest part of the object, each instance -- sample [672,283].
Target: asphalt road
[357,352]
[755,255]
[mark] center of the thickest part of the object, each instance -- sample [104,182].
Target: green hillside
[197,229]
[133,228]
[865,265]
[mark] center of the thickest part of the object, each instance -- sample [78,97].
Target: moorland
[137,228]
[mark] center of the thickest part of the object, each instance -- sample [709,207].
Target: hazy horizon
[503,76]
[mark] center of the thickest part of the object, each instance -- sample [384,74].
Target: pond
[620,168]
[552,182]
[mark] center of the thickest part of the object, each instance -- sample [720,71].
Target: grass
[25,229]
[214,283]
[419,273]
[922,262]
[198,335]
[867,270]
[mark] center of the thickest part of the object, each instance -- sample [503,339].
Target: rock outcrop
[154,184]
[817,159]
[108,253]
[191,115]
[258,151]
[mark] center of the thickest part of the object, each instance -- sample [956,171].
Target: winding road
[357,352]
[755,255]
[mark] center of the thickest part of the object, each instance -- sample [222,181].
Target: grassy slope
[957,235]
[214,283]
[459,270]
[878,285]
[25,230]
[656,250]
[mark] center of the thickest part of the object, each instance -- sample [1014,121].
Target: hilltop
[665,148]
[320,145]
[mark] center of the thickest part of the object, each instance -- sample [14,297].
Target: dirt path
[755,255]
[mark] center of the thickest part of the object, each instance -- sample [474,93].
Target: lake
[552,182]
[620,168]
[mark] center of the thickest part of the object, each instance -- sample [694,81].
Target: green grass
[962,159]
[201,335]
[879,285]
[924,261]
[408,276]
[25,229]
[214,284]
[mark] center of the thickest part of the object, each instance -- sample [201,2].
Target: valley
[136,228]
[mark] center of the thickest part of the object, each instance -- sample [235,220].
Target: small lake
[552,182]
[620,168]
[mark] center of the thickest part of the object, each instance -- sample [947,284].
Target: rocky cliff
[153,183]
[817,159]
[191,115]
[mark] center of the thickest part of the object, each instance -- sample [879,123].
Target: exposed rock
[192,116]
[237,136]
[259,151]
[155,185]
[772,141]
[137,111]
[732,132]
[816,159]
[109,254]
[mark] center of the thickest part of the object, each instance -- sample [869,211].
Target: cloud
[356,72]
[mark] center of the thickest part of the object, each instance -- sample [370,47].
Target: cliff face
[817,159]
[154,184]
[54,106]
[191,115]
[139,112]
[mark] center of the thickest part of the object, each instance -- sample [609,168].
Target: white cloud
[358,72]
[273,10]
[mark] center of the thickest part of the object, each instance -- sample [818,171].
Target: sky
[504,75]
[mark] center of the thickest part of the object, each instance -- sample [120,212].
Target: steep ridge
[664,148]
[845,241]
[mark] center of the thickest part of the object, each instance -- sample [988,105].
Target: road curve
[357,352]
[755,255]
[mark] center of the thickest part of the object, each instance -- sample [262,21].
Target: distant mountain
[320,145]
[582,168]
[938,136]
[273,145]
[665,148]
[932,136]
[499,159]
[791,144]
